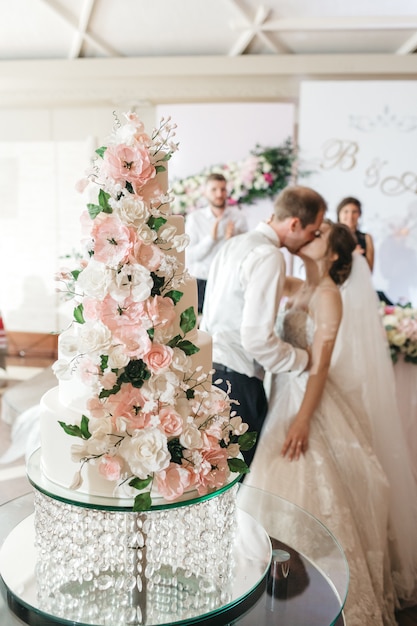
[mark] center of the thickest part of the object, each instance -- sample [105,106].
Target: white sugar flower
[191,437]
[134,281]
[146,452]
[94,338]
[132,211]
[62,369]
[95,280]
[117,357]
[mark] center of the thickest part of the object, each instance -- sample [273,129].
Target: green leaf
[142,502]
[105,393]
[172,343]
[188,320]
[84,427]
[104,361]
[174,295]
[155,223]
[158,283]
[160,168]
[129,187]
[103,198]
[238,465]
[101,151]
[75,274]
[176,450]
[190,394]
[151,333]
[79,314]
[187,347]
[93,210]
[247,440]
[140,483]
[73,430]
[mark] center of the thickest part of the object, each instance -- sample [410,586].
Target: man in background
[209,228]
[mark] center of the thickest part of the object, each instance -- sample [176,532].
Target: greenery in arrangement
[262,174]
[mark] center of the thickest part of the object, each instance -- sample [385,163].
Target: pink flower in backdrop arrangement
[153,419]
[129,164]
[400,323]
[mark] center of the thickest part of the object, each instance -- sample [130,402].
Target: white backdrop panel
[358,139]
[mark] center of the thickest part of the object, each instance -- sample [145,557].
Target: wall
[54,113]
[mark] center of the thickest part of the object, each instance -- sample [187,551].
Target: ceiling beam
[342,23]
[79,36]
[94,40]
[254,28]
[409,46]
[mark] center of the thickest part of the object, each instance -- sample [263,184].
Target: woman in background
[349,212]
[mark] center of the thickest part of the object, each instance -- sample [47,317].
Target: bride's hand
[296,441]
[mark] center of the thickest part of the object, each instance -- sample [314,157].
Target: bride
[313,449]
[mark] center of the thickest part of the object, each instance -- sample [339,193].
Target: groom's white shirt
[244,289]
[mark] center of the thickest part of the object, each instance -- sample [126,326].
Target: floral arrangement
[260,175]
[151,420]
[400,323]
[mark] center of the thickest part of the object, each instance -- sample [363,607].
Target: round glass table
[307,580]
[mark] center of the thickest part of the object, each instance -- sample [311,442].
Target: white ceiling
[69,29]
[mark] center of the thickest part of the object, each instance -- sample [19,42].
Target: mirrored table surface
[307,582]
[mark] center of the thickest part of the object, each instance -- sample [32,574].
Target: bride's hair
[341,242]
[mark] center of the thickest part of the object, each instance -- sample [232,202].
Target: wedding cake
[136,477]
[135,415]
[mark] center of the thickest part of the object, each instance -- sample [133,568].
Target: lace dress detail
[338,480]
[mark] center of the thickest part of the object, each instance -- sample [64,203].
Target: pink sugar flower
[88,371]
[170,422]
[111,239]
[173,481]
[161,311]
[159,358]
[114,315]
[127,404]
[136,341]
[96,408]
[129,164]
[214,470]
[91,309]
[108,380]
[110,467]
[148,255]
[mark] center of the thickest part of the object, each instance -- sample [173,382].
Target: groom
[244,289]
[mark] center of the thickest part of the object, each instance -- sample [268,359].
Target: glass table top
[308,577]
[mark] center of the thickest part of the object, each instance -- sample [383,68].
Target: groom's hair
[301,202]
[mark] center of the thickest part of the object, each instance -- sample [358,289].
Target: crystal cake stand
[149,586]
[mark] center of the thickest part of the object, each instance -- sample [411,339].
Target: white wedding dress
[338,480]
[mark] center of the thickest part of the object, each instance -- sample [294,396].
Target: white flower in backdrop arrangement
[151,420]
[400,323]
[260,175]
